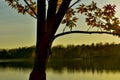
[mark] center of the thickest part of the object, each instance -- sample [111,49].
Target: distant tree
[49,15]
[3,54]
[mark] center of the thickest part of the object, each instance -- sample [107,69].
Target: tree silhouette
[49,15]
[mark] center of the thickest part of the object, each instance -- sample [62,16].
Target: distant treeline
[65,52]
[24,52]
[98,50]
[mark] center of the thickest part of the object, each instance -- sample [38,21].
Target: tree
[61,11]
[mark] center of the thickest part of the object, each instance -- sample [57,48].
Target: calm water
[60,71]
[13,74]
[16,74]
[82,76]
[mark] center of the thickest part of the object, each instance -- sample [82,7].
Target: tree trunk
[42,54]
[39,69]
[38,72]
[46,28]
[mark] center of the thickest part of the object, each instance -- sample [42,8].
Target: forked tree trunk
[46,28]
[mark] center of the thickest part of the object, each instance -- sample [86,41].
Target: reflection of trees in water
[95,65]
[71,65]
[17,64]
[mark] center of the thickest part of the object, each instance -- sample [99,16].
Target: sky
[17,30]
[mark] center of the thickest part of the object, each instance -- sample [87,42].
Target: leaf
[20,8]
[31,12]
[80,9]
[75,19]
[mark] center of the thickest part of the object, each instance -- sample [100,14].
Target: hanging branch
[31,8]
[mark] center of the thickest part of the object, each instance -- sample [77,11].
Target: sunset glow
[17,30]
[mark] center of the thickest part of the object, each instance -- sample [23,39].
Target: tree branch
[52,4]
[55,22]
[60,14]
[51,12]
[83,32]
[31,8]
[74,3]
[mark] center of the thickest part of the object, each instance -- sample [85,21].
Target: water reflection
[16,64]
[68,69]
[85,65]
[98,65]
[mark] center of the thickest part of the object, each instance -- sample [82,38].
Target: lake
[18,74]
[63,70]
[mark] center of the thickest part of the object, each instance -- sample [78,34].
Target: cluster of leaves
[70,19]
[31,9]
[103,18]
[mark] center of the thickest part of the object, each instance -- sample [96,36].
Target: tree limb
[51,12]
[31,8]
[83,32]
[61,12]
[74,3]
[52,4]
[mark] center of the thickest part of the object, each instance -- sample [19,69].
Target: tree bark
[38,72]
[46,29]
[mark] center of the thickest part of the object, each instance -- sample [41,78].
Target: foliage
[17,4]
[103,18]
[70,19]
